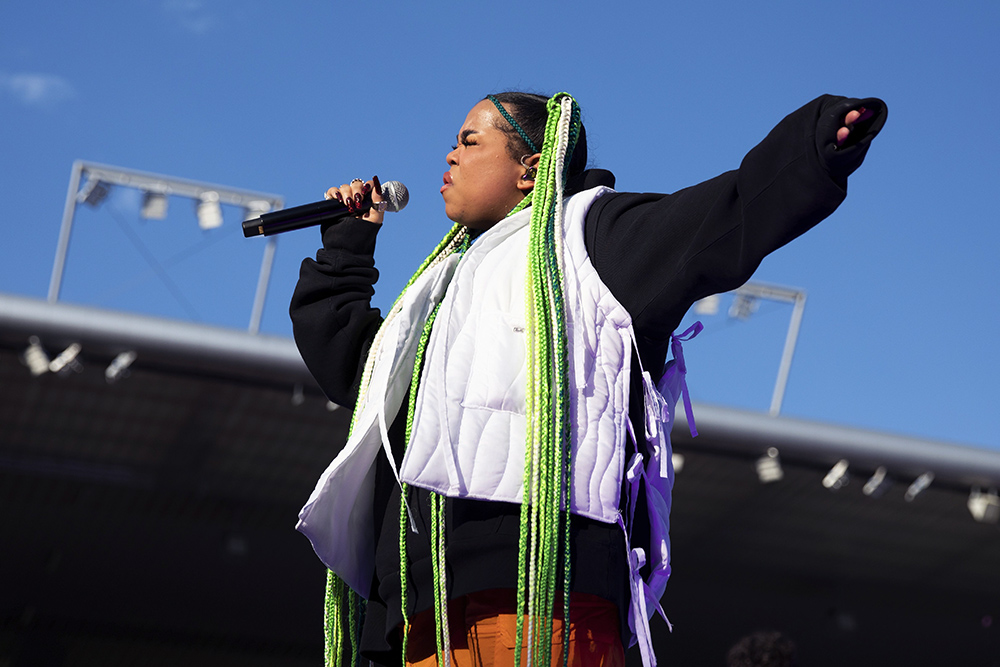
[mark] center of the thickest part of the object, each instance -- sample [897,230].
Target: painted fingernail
[338,197]
[358,199]
[378,185]
[367,188]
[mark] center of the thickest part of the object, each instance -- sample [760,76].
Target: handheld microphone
[394,196]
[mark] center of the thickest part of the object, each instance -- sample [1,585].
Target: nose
[452,157]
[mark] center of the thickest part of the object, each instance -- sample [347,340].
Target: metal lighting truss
[156,186]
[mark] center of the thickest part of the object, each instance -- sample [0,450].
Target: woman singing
[522,372]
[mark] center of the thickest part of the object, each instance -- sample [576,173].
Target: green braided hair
[543,545]
[344,609]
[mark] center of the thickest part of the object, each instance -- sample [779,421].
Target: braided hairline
[517,147]
[532,146]
[516,144]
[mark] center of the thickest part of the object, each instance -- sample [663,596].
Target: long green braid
[343,607]
[547,450]
[544,537]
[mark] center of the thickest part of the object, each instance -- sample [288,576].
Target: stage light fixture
[94,191]
[35,358]
[743,306]
[707,306]
[256,208]
[837,477]
[678,462]
[118,368]
[67,360]
[209,210]
[984,507]
[877,483]
[298,395]
[769,467]
[919,484]
[154,205]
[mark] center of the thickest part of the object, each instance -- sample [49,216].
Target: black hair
[530,112]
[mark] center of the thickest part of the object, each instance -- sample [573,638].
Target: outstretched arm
[660,253]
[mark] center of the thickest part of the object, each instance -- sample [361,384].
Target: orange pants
[483,629]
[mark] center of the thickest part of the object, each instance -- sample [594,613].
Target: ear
[530,163]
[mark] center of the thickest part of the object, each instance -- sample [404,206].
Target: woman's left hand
[856,116]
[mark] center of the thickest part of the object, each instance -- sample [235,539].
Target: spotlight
[769,467]
[298,395]
[984,507]
[67,360]
[707,306]
[919,484]
[678,461]
[93,192]
[837,477]
[154,206]
[331,406]
[877,484]
[35,358]
[118,368]
[209,211]
[744,305]
[256,208]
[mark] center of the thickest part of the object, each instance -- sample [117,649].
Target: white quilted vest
[469,424]
[469,429]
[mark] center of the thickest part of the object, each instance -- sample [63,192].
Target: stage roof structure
[151,471]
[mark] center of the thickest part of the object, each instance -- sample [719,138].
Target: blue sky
[901,325]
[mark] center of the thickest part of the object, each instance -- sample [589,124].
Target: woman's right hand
[352,195]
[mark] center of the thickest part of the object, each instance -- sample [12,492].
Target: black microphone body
[318,213]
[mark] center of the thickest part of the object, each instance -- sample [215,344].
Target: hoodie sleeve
[332,319]
[658,254]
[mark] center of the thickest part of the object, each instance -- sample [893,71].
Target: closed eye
[463,139]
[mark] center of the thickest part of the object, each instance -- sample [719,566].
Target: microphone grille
[395,195]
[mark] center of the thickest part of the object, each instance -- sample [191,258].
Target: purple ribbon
[678,351]
[658,475]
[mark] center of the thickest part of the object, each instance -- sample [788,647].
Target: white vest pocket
[498,374]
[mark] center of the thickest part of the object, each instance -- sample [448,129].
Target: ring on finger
[359,180]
